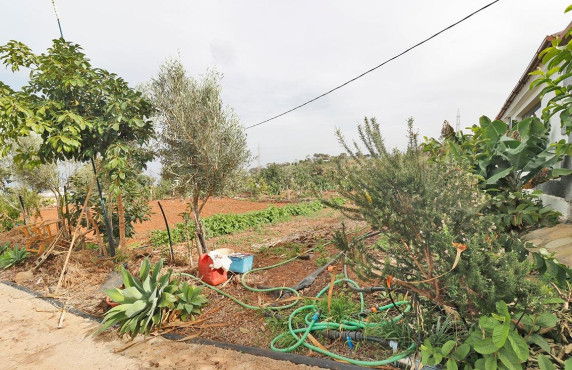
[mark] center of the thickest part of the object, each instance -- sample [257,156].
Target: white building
[524,102]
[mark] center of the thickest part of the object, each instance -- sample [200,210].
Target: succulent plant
[148,299]
[12,257]
[144,302]
[190,301]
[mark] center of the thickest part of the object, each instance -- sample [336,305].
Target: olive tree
[202,144]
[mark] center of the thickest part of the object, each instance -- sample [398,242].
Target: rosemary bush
[431,216]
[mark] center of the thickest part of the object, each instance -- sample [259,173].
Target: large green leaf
[144,271]
[490,362]
[547,320]
[497,174]
[509,359]
[500,334]
[115,295]
[134,308]
[488,323]
[452,365]
[447,347]
[539,341]
[519,346]
[558,172]
[132,294]
[502,309]
[485,346]
[544,363]
[461,352]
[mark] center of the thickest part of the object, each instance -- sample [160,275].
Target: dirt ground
[175,206]
[30,339]
[230,323]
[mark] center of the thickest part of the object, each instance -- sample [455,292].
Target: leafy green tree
[202,144]
[80,112]
[135,194]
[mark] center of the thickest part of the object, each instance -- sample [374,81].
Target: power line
[376,67]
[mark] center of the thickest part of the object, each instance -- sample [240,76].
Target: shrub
[431,216]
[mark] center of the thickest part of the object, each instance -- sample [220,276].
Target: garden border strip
[255,351]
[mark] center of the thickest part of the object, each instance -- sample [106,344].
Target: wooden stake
[60,323]
[75,234]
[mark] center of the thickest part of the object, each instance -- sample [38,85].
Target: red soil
[175,206]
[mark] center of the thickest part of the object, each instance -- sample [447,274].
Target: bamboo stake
[75,234]
[61,321]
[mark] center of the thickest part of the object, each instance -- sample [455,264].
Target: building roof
[534,63]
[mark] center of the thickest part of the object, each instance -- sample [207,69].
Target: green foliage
[79,111]
[342,306]
[13,257]
[9,210]
[162,190]
[223,224]
[4,247]
[202,144]
[190,301]
[521,209]
[429,212]
[505,159]
[135,192]
[557,60]
[433,355]
[314,173]
[549,267]
[494,343]
[148,299]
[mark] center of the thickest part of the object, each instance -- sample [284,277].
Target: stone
[557,243]
[23,276]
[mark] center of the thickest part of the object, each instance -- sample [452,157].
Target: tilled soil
[230,322]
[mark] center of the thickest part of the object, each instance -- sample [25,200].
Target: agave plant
[145,301]
[4,247]
[12,257]
[190,301]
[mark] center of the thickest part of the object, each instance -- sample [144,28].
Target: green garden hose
[265,290]
[314,325]
[311,319]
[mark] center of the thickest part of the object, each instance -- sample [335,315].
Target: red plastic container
[208,275]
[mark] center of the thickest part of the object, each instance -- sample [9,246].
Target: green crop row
[222,224]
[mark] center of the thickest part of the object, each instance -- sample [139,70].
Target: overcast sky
[275,55]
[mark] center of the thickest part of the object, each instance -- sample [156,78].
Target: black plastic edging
[255,351]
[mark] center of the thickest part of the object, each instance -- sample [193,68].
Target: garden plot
[229,322]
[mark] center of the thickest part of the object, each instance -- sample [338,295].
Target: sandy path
[29,339]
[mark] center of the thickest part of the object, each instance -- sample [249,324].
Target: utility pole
[458,125]
[259,156]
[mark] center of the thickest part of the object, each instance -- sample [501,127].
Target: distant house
[524,102]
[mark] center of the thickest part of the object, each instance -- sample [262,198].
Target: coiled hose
[312,318]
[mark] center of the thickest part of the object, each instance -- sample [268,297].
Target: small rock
[23,276]
[143,252]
